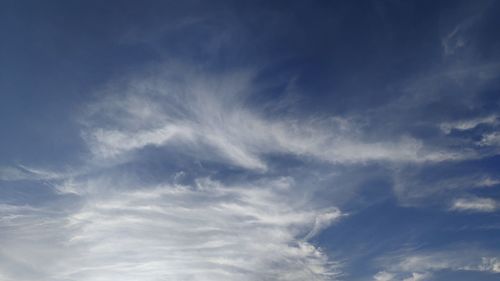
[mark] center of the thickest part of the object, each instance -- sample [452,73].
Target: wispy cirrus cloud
[105,227]
[490,139]
[474,204]
[210,114]
[414,276]
[268,142]
[21,172]
[468,124]
[383,276]
[207,231]
[421,265]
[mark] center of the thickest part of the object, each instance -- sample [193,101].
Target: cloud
[422,264]
[429,185]
[132,213]
[474,204]
[490,139]
[210,115]
[32,242]
[107,226]
[383,276]
[415,276]
[489,264]
[468,124]
[487,182]
[453,41]
[390,276]
[204,231]
[22,172]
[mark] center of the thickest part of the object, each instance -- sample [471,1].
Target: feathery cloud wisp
[210,115]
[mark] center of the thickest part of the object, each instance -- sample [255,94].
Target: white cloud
[490,139]
[383,276]
[489,264]
[487,182]
[22,172]
[207,231]
[106,226]
[421,265]
[453,41]
[468,124]
[210,115]
[391,276]
[413,187]
[417,276]
[474,204]
[31,241]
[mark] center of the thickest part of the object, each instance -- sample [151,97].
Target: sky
[249,140]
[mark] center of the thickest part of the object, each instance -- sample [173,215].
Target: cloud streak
[420,265]
[212,111]
[474,204]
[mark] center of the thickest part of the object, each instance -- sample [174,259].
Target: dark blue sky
[249,140]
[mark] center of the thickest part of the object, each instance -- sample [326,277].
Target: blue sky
[249,140]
